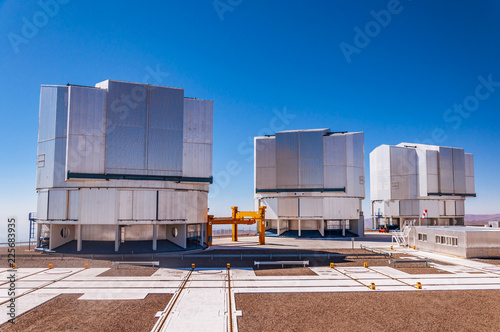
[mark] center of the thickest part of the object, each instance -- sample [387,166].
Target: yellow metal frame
[237,218]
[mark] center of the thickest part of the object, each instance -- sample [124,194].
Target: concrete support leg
[78,237]
[155,236]
[322,227]
[117,238]
[300,231]
[343,227]
[278,227]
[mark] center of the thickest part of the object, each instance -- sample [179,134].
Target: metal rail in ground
[163,318]
[376,251]
[230,306]
[40,287]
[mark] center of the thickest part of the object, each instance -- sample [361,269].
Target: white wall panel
[446,170]
[459,208]
[265,152]
[450,208]
[341,208]
[172,205]
[287,162]
[125,199]
[144,204]
[459,171]
[432,207]
[58,204]
[42,204]
[310,159]
[73,201]
[334,176]
[334,150]
[288,207]
[271,207]
[311,207]
[98,206]
[265,177]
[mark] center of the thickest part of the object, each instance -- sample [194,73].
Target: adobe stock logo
[372,29]
[30,28]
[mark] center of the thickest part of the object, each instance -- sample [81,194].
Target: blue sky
[397,80]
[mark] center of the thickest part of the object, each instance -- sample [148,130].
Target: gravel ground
[495,261]
[292,271]
[129,271]
[374,311]
[67,313]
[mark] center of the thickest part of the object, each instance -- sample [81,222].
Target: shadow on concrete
[128,247]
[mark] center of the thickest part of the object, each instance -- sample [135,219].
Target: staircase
[401,238]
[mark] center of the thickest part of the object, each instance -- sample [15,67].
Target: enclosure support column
[322,227]
[300,231]
[209,233]
[235,232]
[155,236]
[78,237]
[343,227]
[117,238]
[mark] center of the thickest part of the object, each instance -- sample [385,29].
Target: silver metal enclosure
[123,162]
[462,241]
[407,179]
[310,178]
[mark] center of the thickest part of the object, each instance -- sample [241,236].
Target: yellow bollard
[192,266]
[391,247]
[413,247]
[365,264]
[419,285]
[331,265]
[14,265]
[228,265]
[51,266]
[372,286]
[86,266]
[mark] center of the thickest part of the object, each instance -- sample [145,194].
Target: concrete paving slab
[26,303]
[114,294]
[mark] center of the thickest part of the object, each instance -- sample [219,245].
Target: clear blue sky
[397,80]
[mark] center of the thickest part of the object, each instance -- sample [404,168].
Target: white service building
[407,179]
[123,162]
[311,180]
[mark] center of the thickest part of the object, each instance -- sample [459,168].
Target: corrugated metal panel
[459,208]
[413,186]
[334,176]
[442,207]
[391,208]
[288,207]
[197,160]
[445,170]
[59,163]
[86,130]
[334,150]
[125,204]
[358,150]
[432,207]
[126,149]
[405,208]
[58,204]
[126,128]
[165,137]
[98,206]
[172,205]
[399,161]
[265,178]
[311,207]
[355,182]
[53,112]
[450,208]
[202,207]
[400,187]
[432,163]
[73,201]
[144,204]
[98,233]
[45,174]
[287,162]
[458,171]
[265,152]
[165,151]
[310,159]
[198,121]
[380,173]
[341,208]
[469,174]
[139,232]
[42,204]
[272,207]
